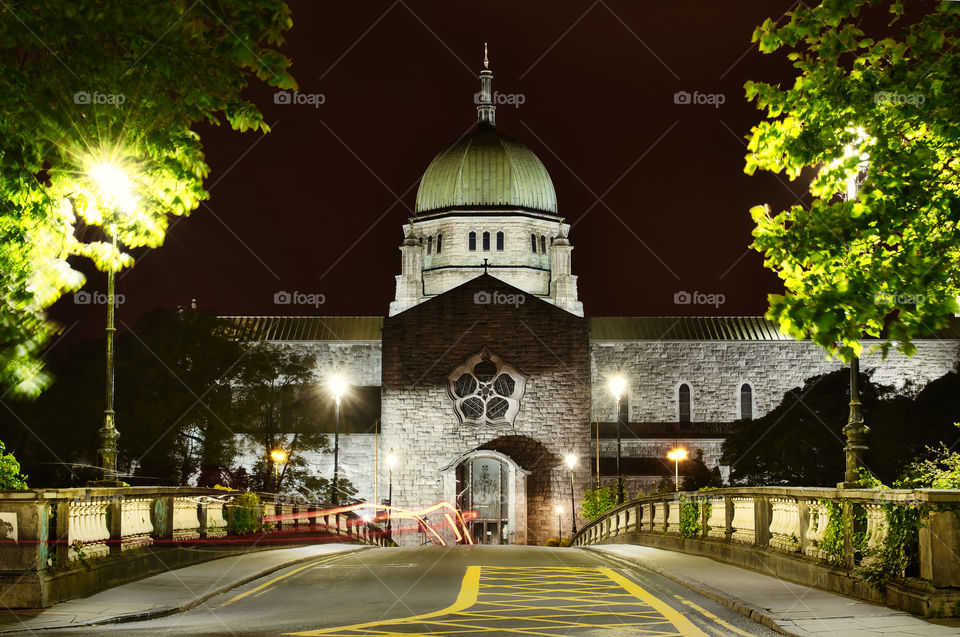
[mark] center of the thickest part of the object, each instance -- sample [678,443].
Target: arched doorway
[494,486]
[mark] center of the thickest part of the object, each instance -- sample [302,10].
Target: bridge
[204,561]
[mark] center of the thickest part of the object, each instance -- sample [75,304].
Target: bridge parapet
[58,544]
[899,547]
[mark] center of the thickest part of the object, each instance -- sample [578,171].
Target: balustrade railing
[844,528]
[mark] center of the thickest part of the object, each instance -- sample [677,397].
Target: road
[506,590]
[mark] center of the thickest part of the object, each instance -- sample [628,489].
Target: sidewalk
[788,608]
[166,593]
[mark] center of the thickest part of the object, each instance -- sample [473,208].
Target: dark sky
[655,190]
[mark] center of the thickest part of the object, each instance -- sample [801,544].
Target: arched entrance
[494,486]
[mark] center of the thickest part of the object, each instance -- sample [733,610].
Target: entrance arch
[495,486]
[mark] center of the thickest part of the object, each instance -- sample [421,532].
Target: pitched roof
[304,328]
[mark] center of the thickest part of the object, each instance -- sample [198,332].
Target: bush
[245,516]
[598,501]
[557,542]
[10,476]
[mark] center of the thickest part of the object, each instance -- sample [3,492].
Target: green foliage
[832,543]
[552,541]
[665,486]
[698,475]
[689,517]
[10,477]
[84,83]
[939,470]
[245,513]
[884,264]
[597,501]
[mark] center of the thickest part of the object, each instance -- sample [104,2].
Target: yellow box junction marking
[538,601]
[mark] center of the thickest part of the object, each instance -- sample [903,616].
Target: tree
[876,83]
[278,405]
[10,477]
[799,442]
[698,475]
[92,92]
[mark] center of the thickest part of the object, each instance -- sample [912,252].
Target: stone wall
[715,370]
[424,344]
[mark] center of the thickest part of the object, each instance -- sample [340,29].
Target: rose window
[485,390]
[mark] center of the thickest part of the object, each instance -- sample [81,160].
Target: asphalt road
[495,590]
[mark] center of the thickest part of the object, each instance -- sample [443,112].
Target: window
[533,242]
[486,390]
[472,241]
[486,240]
[543,244]
[683,403]
[500,241]
[439,242]
[746,401]
[429,245]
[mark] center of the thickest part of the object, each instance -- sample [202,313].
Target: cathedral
[487,379]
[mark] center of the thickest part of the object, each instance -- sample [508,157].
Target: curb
[746,609]
[166,611]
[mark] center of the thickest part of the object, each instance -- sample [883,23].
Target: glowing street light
[279,457]
[677,455]
[617,385]
[338,387]
[116,190]
[571,462]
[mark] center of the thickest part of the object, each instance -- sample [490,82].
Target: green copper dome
[486,169]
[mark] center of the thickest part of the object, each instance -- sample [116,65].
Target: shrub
[598,501]
[245,516]
[10,476]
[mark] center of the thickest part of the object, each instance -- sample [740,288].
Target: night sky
[655,190]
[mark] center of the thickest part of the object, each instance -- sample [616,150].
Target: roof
[304,328]
[683,328]
[706,328]
[486,168]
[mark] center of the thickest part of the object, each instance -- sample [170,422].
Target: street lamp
[338,387]
[617,385]
[677,455]
[571,462]
[279,457]
[116,189]
[559,522]
[391,463]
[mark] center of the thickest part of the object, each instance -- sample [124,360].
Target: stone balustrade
[814,536]
[62,543]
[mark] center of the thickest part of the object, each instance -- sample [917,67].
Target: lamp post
[559,522]
[677,455]
[855,430]
[278,457]
[391,463]
[571,462]
[338,387]
[617,386]
[117,191]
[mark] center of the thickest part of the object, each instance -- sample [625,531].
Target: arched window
[472,241]
[500,241]
[429,245]
[543,244]
[683,403]
[486,240]
[746,401]
[439,242]
[533,242]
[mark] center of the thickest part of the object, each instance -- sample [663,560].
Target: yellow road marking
[265,584]
[711,616]
[515,614]
[469,588]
